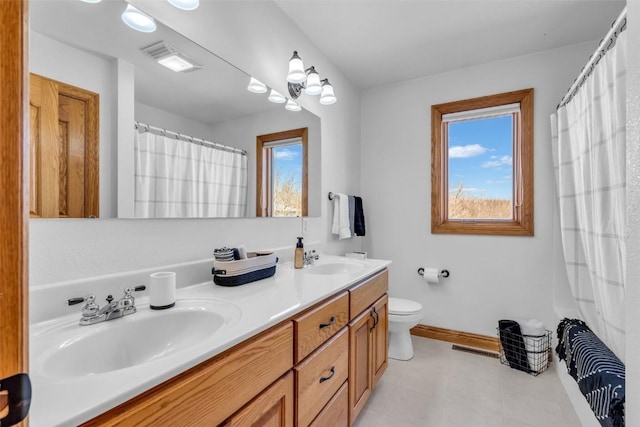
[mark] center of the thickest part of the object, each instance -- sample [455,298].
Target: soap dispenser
[298,258]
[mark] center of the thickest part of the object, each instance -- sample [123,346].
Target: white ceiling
[374,42]
[377,42]
[213,94]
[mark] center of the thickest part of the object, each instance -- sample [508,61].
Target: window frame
[262,169]
[522,223]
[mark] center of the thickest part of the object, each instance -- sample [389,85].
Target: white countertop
[71,401]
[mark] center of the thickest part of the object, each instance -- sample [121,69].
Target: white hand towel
[535,342]
[340,225]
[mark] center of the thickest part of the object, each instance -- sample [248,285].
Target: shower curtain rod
[618,26]
[187,138]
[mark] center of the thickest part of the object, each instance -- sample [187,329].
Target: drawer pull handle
[333,372]
[332,321]
[374,315]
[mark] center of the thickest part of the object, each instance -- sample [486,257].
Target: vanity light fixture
[308,79]
[138,20]
[276,97]
[256,86]
[170,57]
[185,4]
[292,106]
[327,97]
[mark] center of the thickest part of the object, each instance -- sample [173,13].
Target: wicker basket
[257,266]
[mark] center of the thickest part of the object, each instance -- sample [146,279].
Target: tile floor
[442,387]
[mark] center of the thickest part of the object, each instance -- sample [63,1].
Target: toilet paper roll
[431,275]
[162,290]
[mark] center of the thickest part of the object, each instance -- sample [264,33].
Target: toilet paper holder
[443,273]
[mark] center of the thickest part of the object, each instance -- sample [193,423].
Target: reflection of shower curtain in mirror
[179,179]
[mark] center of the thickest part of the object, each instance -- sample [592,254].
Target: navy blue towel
[513,345]
[597,370]
[358,217]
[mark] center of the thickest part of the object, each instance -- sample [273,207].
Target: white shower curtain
[588,138]
[180,179]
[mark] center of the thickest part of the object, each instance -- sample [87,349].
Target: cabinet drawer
[320,376]
[368,292]
[336,413]
[209,393]
[318,325]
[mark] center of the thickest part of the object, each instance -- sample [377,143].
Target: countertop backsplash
[49,301]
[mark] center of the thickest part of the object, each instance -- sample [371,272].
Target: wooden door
[380,338]
[272,408]
[63,148]
[14,221]
[360,361]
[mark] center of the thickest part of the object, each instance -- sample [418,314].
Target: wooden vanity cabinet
[368,340]
[272,408]
[315,369]
[209,393]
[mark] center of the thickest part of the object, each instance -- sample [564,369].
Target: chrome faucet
[310,258]
[92,313]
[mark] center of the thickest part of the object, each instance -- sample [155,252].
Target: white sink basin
[132,340]
[339,267]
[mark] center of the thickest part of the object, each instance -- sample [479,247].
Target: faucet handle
[74,301]
[128,291]
[88,298]
[90,308]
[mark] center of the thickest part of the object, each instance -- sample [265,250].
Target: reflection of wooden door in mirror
[63,148]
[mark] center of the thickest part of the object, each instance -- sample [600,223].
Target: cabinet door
[272,408]
[360,358]
[380,337]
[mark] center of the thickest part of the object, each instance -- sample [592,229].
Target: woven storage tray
[257,266]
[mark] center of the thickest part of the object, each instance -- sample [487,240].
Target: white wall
[155,117]
[633,216]
[82,69]
[241,133]
[257,37]
[492,277]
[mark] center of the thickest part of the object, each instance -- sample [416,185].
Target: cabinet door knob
[333,372]
[332,321]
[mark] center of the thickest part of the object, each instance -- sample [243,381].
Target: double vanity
[304,347]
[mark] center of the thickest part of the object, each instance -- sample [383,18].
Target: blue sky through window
[288,160]
[481,157]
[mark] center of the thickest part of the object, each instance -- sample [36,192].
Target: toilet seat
[403,307]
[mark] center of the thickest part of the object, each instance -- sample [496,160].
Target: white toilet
[404,314]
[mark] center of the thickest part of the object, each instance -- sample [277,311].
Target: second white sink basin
[135,339]
[336,268]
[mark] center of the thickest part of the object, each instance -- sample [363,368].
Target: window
[281,175]
[482,165]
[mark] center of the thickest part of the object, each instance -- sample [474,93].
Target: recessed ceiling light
[185,4]
[171,58]
[175,63]
[138,20]
[92,1]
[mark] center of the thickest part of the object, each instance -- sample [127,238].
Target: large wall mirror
[115,134]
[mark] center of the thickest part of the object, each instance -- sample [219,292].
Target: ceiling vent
[170,57]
